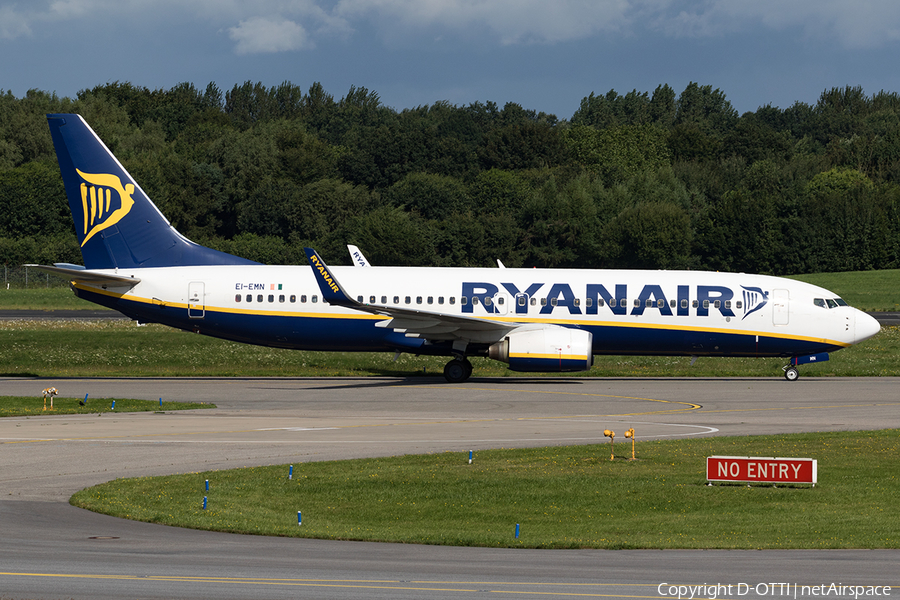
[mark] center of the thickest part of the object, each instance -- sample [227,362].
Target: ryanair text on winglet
[324,272]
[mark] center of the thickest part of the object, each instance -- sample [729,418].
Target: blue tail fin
[118,226]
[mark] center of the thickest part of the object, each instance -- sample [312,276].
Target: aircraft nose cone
[866,326]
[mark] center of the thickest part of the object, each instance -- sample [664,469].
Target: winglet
[332,292]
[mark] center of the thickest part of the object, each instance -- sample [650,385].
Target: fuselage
[626,311]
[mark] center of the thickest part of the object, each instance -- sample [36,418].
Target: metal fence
[21,277]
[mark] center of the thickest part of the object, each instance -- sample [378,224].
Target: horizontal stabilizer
[81,275]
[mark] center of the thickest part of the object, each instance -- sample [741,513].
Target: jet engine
[547,348]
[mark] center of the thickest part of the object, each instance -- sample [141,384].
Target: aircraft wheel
[791,374]
[457,371]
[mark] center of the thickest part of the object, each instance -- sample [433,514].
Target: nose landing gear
[791,373]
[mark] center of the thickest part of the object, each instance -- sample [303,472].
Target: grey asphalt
[53,550]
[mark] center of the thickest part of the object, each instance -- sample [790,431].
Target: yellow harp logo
[99,207]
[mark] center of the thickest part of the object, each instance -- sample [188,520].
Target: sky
[545,55]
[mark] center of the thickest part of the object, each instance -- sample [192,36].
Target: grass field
[121,348]
[25,406]
[562,497]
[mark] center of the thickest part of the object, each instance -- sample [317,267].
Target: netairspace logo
[778,590]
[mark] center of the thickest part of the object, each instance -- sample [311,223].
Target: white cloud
[858,24]
[512,21]
[265,35]
[13,23]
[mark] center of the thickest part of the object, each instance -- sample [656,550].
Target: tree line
[641,180]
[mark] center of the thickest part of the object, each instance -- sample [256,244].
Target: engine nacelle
[545,349]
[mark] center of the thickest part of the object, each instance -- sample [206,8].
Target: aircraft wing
[77,274]
[414,323]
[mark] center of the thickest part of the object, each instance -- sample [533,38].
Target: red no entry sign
[757,469]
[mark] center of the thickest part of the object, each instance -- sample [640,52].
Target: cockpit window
[829,302]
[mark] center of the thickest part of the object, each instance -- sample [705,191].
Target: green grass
[866,290]
[562,497]
[121,348]
[44,298]
[24,406]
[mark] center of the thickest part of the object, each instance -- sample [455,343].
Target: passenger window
[418,299]
[577,301]
[452,300]
[738,304]
[487,301]
[259,298]
[717,303]
[293,298]
[359,298]
[599,301]
[695,303]
[396,299]
[303,299]
[637,302]
[384,299]
[728,304]
[672,303]
[706,304]
[474,300]
[407,300]
[430,299]
[612,302]
[371,299]
[520,300]
[623,302]
[249,298]
[543,302]
[440,299]
[464,300]
[237,297]
[281,297]
[271,297]
[315,299]
[534,301]
[684,303]
[648,303]
[500,300]
[553,301]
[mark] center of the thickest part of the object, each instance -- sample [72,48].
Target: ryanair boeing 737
[536,320]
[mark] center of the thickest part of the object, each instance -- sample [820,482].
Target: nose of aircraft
[866,327]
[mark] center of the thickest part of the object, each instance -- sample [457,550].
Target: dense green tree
[434,197]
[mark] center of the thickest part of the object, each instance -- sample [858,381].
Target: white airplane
[535,320]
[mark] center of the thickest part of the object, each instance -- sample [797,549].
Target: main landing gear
[791,373]
[458,370]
